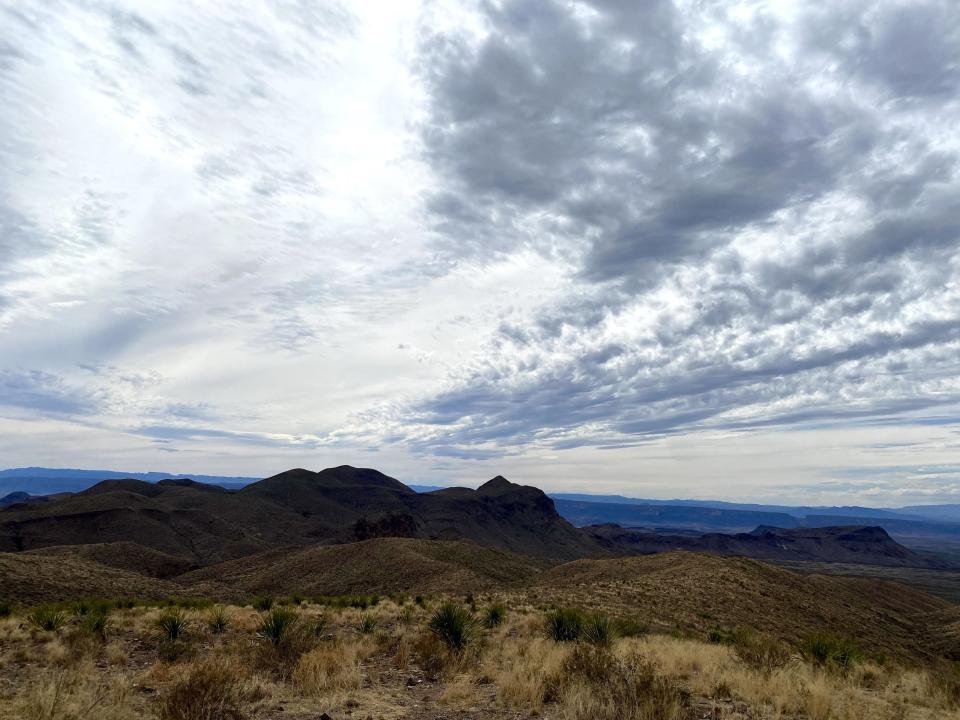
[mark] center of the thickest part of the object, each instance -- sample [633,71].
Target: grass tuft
[564,624]
[454,625]
[830,651]
[47,618]
[277,625]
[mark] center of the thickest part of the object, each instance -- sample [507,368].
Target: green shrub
[831,651]
[420,600]
[211,690]
[277,625]
[454,625]
[598,629]
[630,627]
[262,603]
[95,624]
[760,652]
[47,618]
[6,608]
[172,625]
[124,603]
[494,616]
[367,624]
[218,620]
[564,624]
[297,599]
[718,636]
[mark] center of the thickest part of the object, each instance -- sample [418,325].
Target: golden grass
[400,669]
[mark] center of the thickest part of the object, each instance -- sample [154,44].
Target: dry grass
[402,669]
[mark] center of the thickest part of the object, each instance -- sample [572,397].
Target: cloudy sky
[688,248]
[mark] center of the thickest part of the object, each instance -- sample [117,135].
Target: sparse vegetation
[95,624]
[47,618]
[564,624]
[277,625]
[454,625]
[172,625]
[367,624]
[831,651]
[520,669]
[494,616]
[218,620]
[262,603]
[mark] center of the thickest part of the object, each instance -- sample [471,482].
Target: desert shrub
[262,603]
[943,682]
[124,603]
[831,651]
[319,625]
[564,624]
[47,618]
[718,636]
[598,629]
[172,625]
[75,692]
[218,620]
[406,615]
[209,690]
[596,685]
[297,599]
[630,627]
[494,616]
[431,654]
[95,625]
[327,668]
[277,625]
[367,624]
[454,625]
[6,608]
[760,652]
[420,600]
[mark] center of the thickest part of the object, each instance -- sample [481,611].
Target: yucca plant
[262,603]
[598,629]
[218,620]
[565,624]
[831,651]
[367,624]
[95,624]
[454,625]
[47,618]
[172,625]
[277,625]
[494,616]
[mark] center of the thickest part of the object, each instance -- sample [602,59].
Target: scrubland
[431,657]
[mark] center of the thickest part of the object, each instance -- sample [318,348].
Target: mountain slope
[381,565]
[861,545]
[204,524]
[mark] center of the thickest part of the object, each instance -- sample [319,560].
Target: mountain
[45,481]
[689,517]
[204,524]
[860,545]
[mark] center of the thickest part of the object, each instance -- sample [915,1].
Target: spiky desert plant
[598,629]
[95,624]
[47,618]
[262,603]
[367,624]
[218,619]
[831,651]
[277,625]
[172,625]
[454,625]
[494,616]
[564,624]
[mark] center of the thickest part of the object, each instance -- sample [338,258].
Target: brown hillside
[700,592]
[380,565]
[123,555]
[30,579]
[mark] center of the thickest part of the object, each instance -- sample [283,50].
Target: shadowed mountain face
[206,524]
[866,545]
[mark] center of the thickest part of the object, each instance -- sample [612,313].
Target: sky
[659,248]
